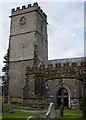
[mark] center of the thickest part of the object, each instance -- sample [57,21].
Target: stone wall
[17,77]
[52,75]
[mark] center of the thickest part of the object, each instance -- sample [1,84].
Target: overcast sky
[65,27]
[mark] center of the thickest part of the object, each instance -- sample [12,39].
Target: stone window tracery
[65,97]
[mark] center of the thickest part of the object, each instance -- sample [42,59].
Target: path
[40,113]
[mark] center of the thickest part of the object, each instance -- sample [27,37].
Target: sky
[65,27]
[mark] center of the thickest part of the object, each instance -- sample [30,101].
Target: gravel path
[40,113]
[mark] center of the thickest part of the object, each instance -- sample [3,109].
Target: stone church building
[34,80]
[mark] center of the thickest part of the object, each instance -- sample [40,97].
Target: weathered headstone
[51,113]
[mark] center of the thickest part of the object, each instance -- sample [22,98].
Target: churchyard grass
[17,106]
[17,114]
[68,114]
[72,114]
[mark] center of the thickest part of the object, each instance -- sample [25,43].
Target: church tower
[28,44]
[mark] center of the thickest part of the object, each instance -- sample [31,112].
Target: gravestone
[30,118]
[9,108]
[51,113]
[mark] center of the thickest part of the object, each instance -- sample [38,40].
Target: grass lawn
[17,106]
[68,115]
[72,114]
[18,114]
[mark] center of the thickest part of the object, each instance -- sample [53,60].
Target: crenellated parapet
[64,70]
[29,8]
[58,65]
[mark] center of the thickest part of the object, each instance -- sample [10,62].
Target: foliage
[83,106]
[5,76]
[4,69]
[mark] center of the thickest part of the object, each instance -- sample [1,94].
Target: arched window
[40,87]
[62,92]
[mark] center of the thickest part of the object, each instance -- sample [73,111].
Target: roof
[78,60]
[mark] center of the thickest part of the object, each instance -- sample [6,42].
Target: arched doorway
[62,92]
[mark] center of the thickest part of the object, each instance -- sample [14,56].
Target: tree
[5,78]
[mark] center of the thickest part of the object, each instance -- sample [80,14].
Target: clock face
[22,20]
